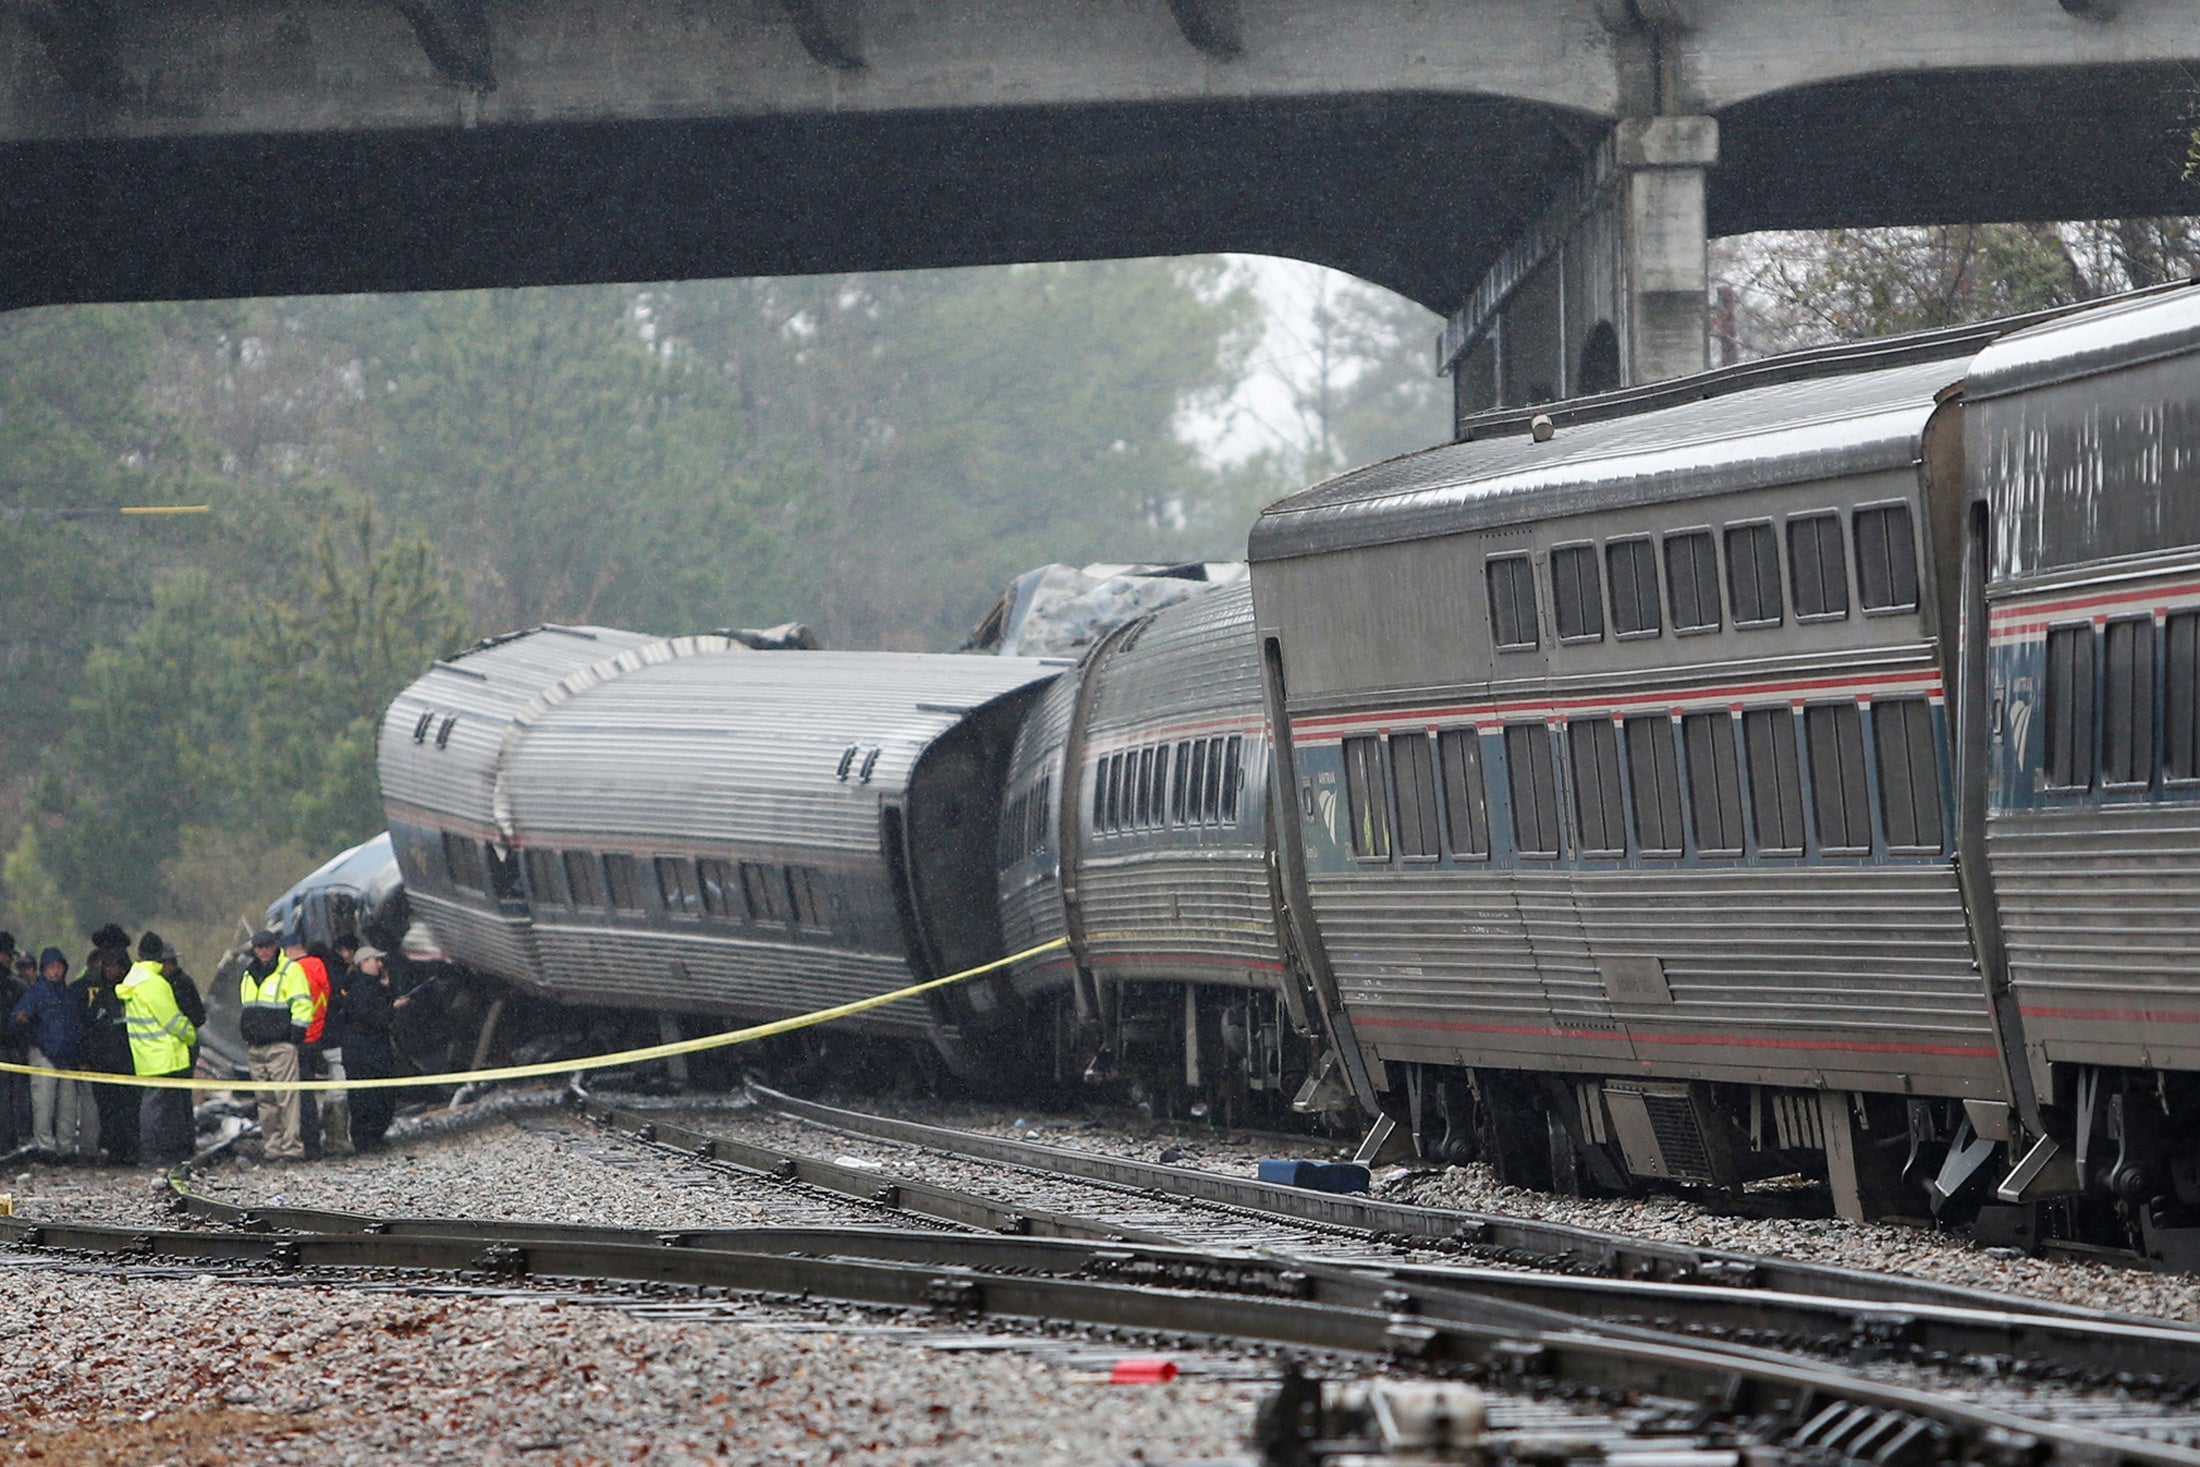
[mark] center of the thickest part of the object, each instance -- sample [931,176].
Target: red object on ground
[1143,1372]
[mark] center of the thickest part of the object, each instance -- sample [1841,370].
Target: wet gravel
[1885,1247]
[530,1168]
[204,1369]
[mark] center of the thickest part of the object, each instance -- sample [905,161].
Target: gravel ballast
[208,1370]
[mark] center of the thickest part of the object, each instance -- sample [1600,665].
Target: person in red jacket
[309,1052]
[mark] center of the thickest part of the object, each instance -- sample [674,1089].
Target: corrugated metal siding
[695,972]
[486,689]
[480,936]
[1031,893]
[1193,661]
[1751,440]
[1190,903]
[744,750]
[1787,975]
[2100,909]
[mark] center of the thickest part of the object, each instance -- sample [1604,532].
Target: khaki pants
[53,1109]
[278,1108]
[335,1106]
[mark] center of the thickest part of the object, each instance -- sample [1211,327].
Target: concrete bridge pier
[1606,289]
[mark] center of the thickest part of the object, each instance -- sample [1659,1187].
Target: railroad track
[1713,1366]
[1713,1392]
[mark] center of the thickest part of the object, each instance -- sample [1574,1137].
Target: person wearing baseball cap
[277,1010]
[368,1052]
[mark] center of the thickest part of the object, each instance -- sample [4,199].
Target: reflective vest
[285,991]
[160,1036]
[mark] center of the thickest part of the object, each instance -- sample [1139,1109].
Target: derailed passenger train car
[686,826]
[2082,439]
[1622,782]
[1139,826]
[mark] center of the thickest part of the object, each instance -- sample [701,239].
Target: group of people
[311,1016]
[303,1015]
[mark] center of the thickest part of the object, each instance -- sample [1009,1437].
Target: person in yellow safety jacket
[160,1044]
[278,1009]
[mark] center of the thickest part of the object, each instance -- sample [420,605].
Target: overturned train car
[687,826]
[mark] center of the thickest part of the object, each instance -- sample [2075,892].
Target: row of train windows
[1422,796]
[2103,693]
[1188,782]
[1817,565]
[758,892]
[1024,821]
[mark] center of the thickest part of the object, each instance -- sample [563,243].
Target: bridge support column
[1607,289]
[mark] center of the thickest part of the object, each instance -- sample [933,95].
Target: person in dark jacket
[50,1020]
[188,997]
[14,1088]
[106,1044]
[367,1051]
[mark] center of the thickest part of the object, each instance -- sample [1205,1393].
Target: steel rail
[1503,1343]
[1497,1235]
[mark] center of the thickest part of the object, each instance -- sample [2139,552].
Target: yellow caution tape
[165,509]
[550,1067]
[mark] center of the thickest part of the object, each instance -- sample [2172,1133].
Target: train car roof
[796,747]
[2106,337]
[1789,432]
[443,735]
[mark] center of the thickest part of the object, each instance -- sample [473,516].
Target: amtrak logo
[2020,727]
[1325,801]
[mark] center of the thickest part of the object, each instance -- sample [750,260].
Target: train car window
[1714,783]
[1632,568]
[1114,769]
[806,898]
[1039,802]
[1005,853]
[1692,581]
[1466,801]
[1195,798]
[462,859]
[1818,566]
[715,878]
[1413,771]
[2181,696]
[1886,558]
[1363,783]
[1839,797]
[580,879]
[1233,777]
[1753,575]
[764,891]
[1775,780]
[676,887]
[620,883]
[1532,777]
[543,887]
[1141,812]
[1577,594]
[1654,767]
[503,867]
[1211,806]
[2067,755]
[1909,773]
[2127,702]
[1512,603]
[1177,785]
[1599,810]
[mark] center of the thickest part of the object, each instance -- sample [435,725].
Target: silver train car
[1768,770]
[1138,825]
[689,827]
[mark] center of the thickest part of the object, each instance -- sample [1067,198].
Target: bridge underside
[1418,192]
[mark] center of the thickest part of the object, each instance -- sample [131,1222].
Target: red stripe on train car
[1751,1041]
[1900,683]
[2112,1016]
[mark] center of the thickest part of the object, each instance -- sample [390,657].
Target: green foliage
[251,706]
[31,904]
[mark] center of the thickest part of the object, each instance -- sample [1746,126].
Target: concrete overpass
[1547,170]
